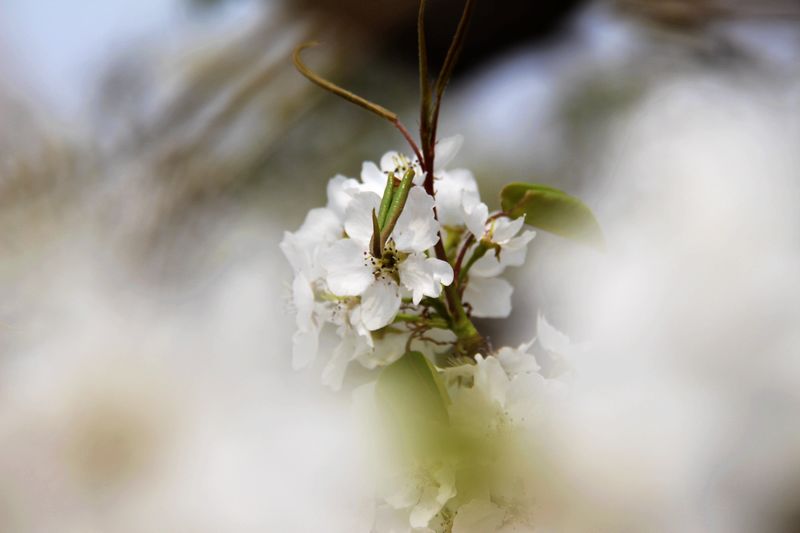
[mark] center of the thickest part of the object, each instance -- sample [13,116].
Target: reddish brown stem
[460,260]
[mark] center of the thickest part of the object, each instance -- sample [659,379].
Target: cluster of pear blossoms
[377,299]
[365,266]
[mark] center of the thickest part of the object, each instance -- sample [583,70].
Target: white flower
[302,249]
[336,283]
[352,270]
[490,297]
[501,232]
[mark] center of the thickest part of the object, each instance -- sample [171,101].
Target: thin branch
[438,323]
[478,253]
[460,260]
[399,125]
[424,80]
[453,54]
[499,214]
[351,97]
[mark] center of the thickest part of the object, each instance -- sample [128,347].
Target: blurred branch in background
[700,13]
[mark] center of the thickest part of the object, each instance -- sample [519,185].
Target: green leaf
[414,398]
[552,210]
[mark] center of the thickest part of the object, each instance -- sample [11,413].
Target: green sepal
[398,203]
[552,210]
[375,243]
[386,200]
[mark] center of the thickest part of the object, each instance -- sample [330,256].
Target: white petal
[305,345]
[450,187]
[379,304]
[359,327]
[296,252]
[491,379]
[487,266]
[358,217]
[340,191]
[404,492]
[320,226]
[515,250]
[489,297]
[391,347]
[528,396]
[334,371]
[512,253]
[446,149]
[504,229]
[475,213]
[372,178]
[517,361]
[303,300]
[478,516]
[346,272]
[426,509]
[550,338]
[417,229]
[424,276]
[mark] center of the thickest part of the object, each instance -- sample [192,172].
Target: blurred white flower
[419,494]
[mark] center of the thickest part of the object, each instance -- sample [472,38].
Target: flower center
[401,165]
[386,266]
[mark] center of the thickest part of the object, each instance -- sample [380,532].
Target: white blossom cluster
[373,300]
[376,270]
[489,484]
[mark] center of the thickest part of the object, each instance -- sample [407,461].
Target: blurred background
[153,152]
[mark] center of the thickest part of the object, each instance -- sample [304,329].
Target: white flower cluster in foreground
[485,478]
[376,294]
